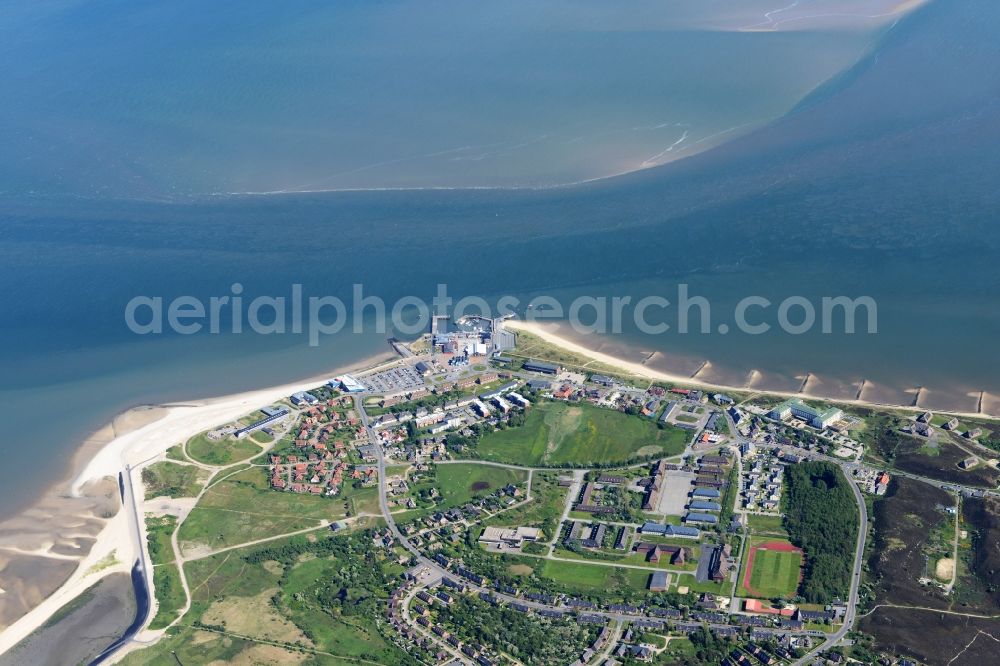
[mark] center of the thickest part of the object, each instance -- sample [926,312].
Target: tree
[822,519]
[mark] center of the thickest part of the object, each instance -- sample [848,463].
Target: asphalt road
[142,573]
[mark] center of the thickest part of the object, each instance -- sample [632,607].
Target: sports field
[773,569]
[556,433]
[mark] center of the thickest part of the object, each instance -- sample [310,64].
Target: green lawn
[459,483]
[558,433]
[176,452]
[774,573]
[222,452]
[173,480]
[243,508]
[262,438]
[591,578]
[639,559]
[766,524]
[710,586]
[678,649]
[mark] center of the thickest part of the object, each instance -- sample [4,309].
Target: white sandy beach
[546,332]
[175,424]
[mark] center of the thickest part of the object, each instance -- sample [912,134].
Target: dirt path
[214,472]
[285,647]
[954,552]
[931,610]
[974,639]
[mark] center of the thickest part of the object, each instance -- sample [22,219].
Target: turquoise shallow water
[882,183]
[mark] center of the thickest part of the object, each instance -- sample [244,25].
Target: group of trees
[708,649]
[729,498]
[347,586]
[530,639]
[991,442]
[626,503]
[822,519]
[353,584]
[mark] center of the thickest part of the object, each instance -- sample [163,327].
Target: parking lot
[395,380]
[674,495]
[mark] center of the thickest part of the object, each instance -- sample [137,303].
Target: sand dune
[49,552]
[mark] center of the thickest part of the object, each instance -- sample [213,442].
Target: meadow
[591,578]
[242,508]
[458,484]
[283,603]
[547,502]
[171,479]
[766,525]
[558,433]
[225,451]
[462,482]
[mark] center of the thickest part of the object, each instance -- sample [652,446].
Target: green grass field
[557,433]
[591,578]
[176,452]
[166,578]
[766,525]
[243,508]
[459,483]
[262,438]
[773,573]
[223,452]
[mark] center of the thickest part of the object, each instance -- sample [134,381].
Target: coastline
[77,532]
[67,530]
[549,332]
